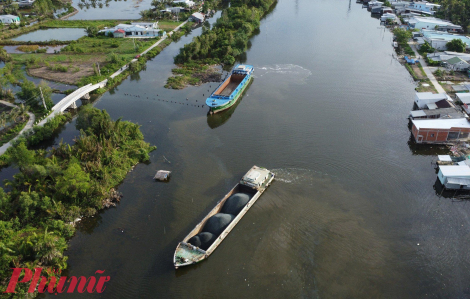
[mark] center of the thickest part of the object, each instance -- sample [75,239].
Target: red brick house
[440,130]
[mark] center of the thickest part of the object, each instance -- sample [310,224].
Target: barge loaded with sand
[212,230]
[228,93]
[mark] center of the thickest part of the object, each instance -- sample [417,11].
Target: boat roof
[255,175]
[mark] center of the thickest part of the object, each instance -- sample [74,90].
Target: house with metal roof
[454,176]
[446,55]
[9,19]
[423,7]
[418,22]
[197,17]
[188,3]
[136,30]
[439,39]
[450,112]
[465,99]
[457,64]
[440,130]
[119,33]
[422,99]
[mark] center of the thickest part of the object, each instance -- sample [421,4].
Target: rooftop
[430,95]
[432,34]
[430,20]
[463,97]
[455,170]
[455,60]
[441,123]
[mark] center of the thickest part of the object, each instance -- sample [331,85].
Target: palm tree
[3,120]
[49,247]
[22,111]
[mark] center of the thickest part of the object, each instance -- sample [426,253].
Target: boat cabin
[255,178]
[162,175]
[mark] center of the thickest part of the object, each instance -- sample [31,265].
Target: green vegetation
[16,118]
[426,48]
[55,187]
[27,48]
[456,11]
[402,37]
[226,40]
[456,45]
[411,71]
[9,75]
[33,95]
[190,73]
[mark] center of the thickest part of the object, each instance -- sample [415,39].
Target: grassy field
[169,25]
[87,59]
[77,60]
[80,23]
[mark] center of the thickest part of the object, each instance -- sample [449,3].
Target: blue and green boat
[229,92]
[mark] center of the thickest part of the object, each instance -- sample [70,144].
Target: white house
[197,17]
[455,176]
[465,99]
[457,64]
[137,30]
[424,99]
[423,7]
[439,39]
[188,3]
[176,9]
[431,23]
[23,3]
[446,55]
[9,19]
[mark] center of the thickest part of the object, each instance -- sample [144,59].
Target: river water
[353,212]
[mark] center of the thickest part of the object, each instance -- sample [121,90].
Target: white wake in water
[298,176]
[290,72]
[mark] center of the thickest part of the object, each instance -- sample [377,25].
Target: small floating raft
[162,175]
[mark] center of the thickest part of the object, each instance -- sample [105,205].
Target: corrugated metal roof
[444,158]
[455,171]
[441,123]
[463,97]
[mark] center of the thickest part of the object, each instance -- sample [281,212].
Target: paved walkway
[427,70]
[28,126]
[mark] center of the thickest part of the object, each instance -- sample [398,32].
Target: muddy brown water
[353,212]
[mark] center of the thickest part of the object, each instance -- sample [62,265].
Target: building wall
[435,135]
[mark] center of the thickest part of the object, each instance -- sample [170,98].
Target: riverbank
[78,178]
[225,42]
[87,59]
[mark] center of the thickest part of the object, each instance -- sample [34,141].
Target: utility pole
[42,97]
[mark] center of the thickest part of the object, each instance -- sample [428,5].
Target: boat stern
[187,254]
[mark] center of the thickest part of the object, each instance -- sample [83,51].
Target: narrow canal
[353,212]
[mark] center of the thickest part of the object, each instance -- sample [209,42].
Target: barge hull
[232,102]
[186,254]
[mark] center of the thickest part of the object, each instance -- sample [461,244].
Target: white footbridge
[71,99]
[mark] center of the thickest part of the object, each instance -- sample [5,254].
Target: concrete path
[29,125]
[427,70]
